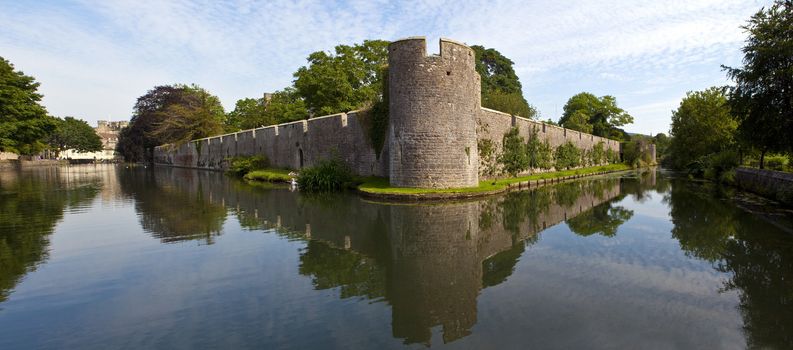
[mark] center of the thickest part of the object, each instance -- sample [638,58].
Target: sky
[93,59]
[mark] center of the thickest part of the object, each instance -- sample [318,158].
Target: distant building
[109,132]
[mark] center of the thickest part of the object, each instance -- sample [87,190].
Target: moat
[109,257]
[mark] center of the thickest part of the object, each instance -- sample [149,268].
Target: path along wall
[292,145]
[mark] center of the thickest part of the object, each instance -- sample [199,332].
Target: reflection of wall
[432,259]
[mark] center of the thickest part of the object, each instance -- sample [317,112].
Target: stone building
[436,122]
[109,132]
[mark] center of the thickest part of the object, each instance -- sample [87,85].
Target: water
[100,257]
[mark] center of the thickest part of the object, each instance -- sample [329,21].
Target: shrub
[598,153]
[240,166]
[567,156]
[487,158]
[328,175]
[777,162]
[538,152]
[513,158]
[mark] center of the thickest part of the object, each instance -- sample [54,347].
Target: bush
[328,175]
[513,158]
[567,156]
[240,166]
[269,175]
[777,162]
[538,152]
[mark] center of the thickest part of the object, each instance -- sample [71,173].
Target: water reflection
[753,252]
[31,204]
[440,269]
[429,262]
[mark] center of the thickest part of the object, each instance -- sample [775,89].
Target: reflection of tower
[437,273]
[433,102]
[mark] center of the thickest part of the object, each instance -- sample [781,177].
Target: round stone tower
[434,101]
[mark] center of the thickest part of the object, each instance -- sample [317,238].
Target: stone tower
[434,101]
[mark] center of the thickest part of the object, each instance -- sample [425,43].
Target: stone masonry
[436,121]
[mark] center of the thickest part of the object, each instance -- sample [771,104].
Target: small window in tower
[448,72]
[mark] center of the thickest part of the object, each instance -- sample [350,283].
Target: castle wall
[433,105]
[435,123]
[341,136]
[492,125]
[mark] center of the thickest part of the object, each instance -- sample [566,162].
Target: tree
[76,134]
[513,158]
[567,156]
[285,106]
[761,97]
[168,114]
[248,113]
[344,81]
[24,123]
[602,115]
[200,115]
[701,125]
[501,88]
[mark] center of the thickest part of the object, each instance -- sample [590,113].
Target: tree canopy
[600,116]
[701,125]
[24,123]
[76,134]
[347,80]
[762,97]
[501,88]
[170,114]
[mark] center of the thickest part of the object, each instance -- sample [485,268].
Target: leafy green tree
[513,158]
[285,106]
[24,123]
[761,97]
[662,143]
[567,156]
[701,125]
[170,114]
[201,115]
[76,134]
[538,152]
[602,114]
[344,81]
[501,88]
[579,120]
[248,113]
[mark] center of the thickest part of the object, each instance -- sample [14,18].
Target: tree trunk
[762,159]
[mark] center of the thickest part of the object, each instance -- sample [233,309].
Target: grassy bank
[268,175]
[377,185]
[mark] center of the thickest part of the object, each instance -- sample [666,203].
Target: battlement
[414,50]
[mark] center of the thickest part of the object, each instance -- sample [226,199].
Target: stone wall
[768,183]
[291,145]
[492,125]
[435,122]
[433,105]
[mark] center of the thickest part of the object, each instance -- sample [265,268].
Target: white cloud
[94,58]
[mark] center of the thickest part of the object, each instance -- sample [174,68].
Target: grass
[381,185]
[269,175]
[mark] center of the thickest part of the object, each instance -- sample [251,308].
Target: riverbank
[11,164]
[380,187]
[775,185]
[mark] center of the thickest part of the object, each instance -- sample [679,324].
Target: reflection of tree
[603,219]
[29,209]
[521,206]
[170,213]
[355,274]
[566,194]
[703,224]
[757,256]
[497,268]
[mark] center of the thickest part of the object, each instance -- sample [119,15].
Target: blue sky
[93,59]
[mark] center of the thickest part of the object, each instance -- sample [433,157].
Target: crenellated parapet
[434,103]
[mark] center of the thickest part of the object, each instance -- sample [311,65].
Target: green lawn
[269,175]
[380,185]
